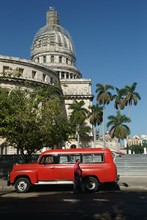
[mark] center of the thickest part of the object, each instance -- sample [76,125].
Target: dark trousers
[78,184]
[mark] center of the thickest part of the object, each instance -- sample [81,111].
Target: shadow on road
[62,204]
[49,188]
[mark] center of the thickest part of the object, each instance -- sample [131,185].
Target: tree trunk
[104,127]
[94,135]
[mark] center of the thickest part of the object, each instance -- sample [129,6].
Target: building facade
[52,63]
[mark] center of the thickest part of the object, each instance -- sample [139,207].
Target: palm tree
[78,115]
[96,118]
[131,97]
[119,98]
[118,127]
[104,97]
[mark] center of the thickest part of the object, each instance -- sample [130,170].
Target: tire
[91,184]
[22,185]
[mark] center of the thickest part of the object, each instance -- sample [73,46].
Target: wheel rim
[90,185]
[22,186]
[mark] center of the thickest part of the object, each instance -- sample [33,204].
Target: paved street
[127,202]
[59,204]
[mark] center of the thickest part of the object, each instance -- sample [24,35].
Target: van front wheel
[22,185]
[91,184]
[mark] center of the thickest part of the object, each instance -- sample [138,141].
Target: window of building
[5,68]
[60,59]
[58,73]
[33,74]
[62,75]
[44,59]
[52,59]
[43,77]
[20,70]
[51,80]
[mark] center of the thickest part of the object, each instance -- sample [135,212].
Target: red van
[56,167]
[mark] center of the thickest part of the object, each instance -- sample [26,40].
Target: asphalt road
[127,202]
[59,204]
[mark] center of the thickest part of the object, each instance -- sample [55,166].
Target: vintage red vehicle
[56,167]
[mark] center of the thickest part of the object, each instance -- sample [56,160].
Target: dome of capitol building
[53,46]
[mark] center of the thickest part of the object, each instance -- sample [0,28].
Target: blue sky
[110,38]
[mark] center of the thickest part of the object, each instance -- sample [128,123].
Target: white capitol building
[52,63]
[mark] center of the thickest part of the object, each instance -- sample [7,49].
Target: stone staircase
[132,165]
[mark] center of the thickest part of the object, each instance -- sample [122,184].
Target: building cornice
[25,62]
[22,81]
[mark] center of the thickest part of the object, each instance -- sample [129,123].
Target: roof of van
[77,150]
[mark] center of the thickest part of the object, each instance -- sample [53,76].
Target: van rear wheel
[22,185]
[91,184]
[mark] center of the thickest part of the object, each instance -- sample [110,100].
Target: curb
[4,188]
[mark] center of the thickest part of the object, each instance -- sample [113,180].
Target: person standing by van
[78,177]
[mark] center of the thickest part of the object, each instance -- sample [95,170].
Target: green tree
[118,127]
[4,109]
[19,123]
[29,121]
[104,97]
[137,149]
[54,125]
[78,116]
[96,118]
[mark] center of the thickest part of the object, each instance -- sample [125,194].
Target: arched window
[60,59]
[67,75]
[44,59]
[62,75]
[52,59]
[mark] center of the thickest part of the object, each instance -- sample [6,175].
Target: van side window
[92,158]
[73,158]
[63,159]
[42,161]
[48,159]
[99,158]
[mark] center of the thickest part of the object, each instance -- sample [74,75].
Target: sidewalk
[4,187]
[134,180]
